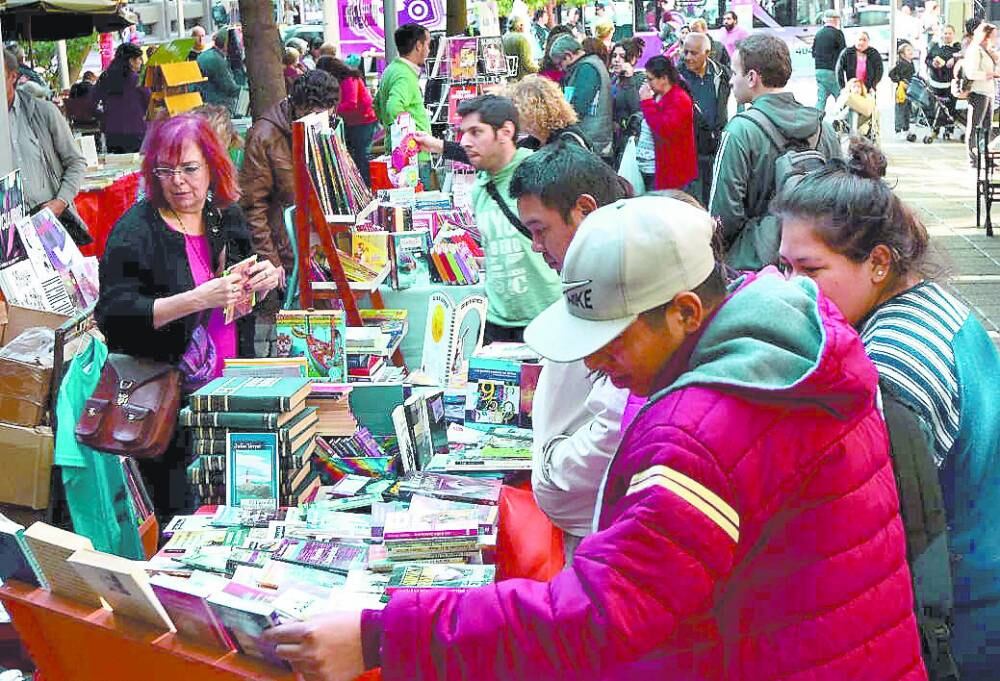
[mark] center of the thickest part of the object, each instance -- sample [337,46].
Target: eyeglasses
[187,170]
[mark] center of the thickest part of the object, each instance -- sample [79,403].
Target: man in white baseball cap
[629,259]
[748,526]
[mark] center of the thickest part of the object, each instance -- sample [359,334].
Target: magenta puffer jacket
[749,530]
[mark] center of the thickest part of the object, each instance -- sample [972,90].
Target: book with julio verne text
[251,468]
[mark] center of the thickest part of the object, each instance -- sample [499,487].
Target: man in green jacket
[221,87]
[399,89]
[744,178]
[517,44]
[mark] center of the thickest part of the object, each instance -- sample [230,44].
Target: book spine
[429,534]
[264,404]
[460,277]
[230,419]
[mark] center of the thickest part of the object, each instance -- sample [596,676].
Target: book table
[69,641]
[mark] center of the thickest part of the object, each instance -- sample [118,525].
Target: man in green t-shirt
[519,284]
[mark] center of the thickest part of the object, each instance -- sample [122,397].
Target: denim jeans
[826,86]
[902,117]
[359,146]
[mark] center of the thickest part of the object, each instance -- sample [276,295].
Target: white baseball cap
[626,258]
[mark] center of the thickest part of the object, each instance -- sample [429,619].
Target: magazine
[453,334]
[494,58]
[463,55]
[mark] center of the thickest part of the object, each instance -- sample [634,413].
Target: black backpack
[795,157]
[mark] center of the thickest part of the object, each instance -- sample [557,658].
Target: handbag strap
[491,189]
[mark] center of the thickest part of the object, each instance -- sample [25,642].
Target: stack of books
[253,438]
[339,184]
[454,263]
[333,409]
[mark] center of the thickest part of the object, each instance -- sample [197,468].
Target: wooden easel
[309,217]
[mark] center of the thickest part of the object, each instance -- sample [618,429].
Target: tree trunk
[457,17]
[263,56]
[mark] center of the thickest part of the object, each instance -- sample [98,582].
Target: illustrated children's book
[319,336]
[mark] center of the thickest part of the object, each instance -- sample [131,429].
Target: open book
[453,333]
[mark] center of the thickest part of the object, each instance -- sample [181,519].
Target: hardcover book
[251,393]
[248,420]
[184,601]
[317,335]
[305,421]
[252,468]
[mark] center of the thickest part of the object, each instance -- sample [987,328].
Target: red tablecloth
[101,208]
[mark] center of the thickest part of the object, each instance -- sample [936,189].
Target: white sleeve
[575,438]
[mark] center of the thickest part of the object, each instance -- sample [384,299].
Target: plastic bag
[528,544]
[34,346]
[629,168]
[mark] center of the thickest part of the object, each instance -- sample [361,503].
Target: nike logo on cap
[576,296]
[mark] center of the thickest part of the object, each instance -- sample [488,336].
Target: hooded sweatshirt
[748,529]
[743,177]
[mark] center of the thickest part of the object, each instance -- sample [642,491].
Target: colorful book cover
[244,305]
[246,613]
[452,335]
[452,487]
[494,58]
[252,468]
[404,525]
[463,56]
[440,577]
[530,371]
[194,619]
[456,95]
[16,559]
[333,556]
[65,257]
[371,248]
[493,393]
[57,297]
[319,336]
[12,211]
[409,258]
[251,394]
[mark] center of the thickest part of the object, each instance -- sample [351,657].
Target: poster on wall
[361,21]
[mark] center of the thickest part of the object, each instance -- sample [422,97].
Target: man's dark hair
[768,56]
[314,90]
[559,173]
[407,36]
[493,110]
[316,43]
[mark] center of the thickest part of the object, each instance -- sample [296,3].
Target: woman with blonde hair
[544,112]
[222,124]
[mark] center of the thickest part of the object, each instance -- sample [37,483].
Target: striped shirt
[910,338]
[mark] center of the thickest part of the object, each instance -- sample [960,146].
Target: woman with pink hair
[163,276]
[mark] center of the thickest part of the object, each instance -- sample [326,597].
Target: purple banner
[361,24]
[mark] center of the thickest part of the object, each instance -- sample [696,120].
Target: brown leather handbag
[134,409]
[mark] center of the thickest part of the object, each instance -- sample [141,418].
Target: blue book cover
[16,559]
[252,468]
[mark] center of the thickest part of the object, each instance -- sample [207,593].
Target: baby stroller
[857,113]
[928,110]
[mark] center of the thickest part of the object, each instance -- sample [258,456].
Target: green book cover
[305,421]
[217,446]
[243,420]
[251,394]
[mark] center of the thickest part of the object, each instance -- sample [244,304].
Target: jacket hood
[793,119]
[779,340]
[280,117]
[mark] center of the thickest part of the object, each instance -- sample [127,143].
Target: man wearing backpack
[762,148]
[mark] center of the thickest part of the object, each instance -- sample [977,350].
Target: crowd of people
[737,364]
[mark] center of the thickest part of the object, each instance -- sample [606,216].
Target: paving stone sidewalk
[937,181]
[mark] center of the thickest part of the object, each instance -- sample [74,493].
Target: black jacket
[708,133]
[847,64]
[902,71]
[827,46]
[942,75]
[144,260]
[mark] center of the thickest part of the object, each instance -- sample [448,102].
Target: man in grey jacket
[42,146]
[743,179]
[576,416]
[588,89]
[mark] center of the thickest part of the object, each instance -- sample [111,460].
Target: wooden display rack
[73,642]
[309,217]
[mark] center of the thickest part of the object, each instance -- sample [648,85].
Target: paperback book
[319,336]
[407,577]
[16,559]
[252,462]
[185,602]
[452,335]
[246,613]
[123,584]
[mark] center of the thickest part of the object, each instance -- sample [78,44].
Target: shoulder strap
[773,133]
[491,189]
